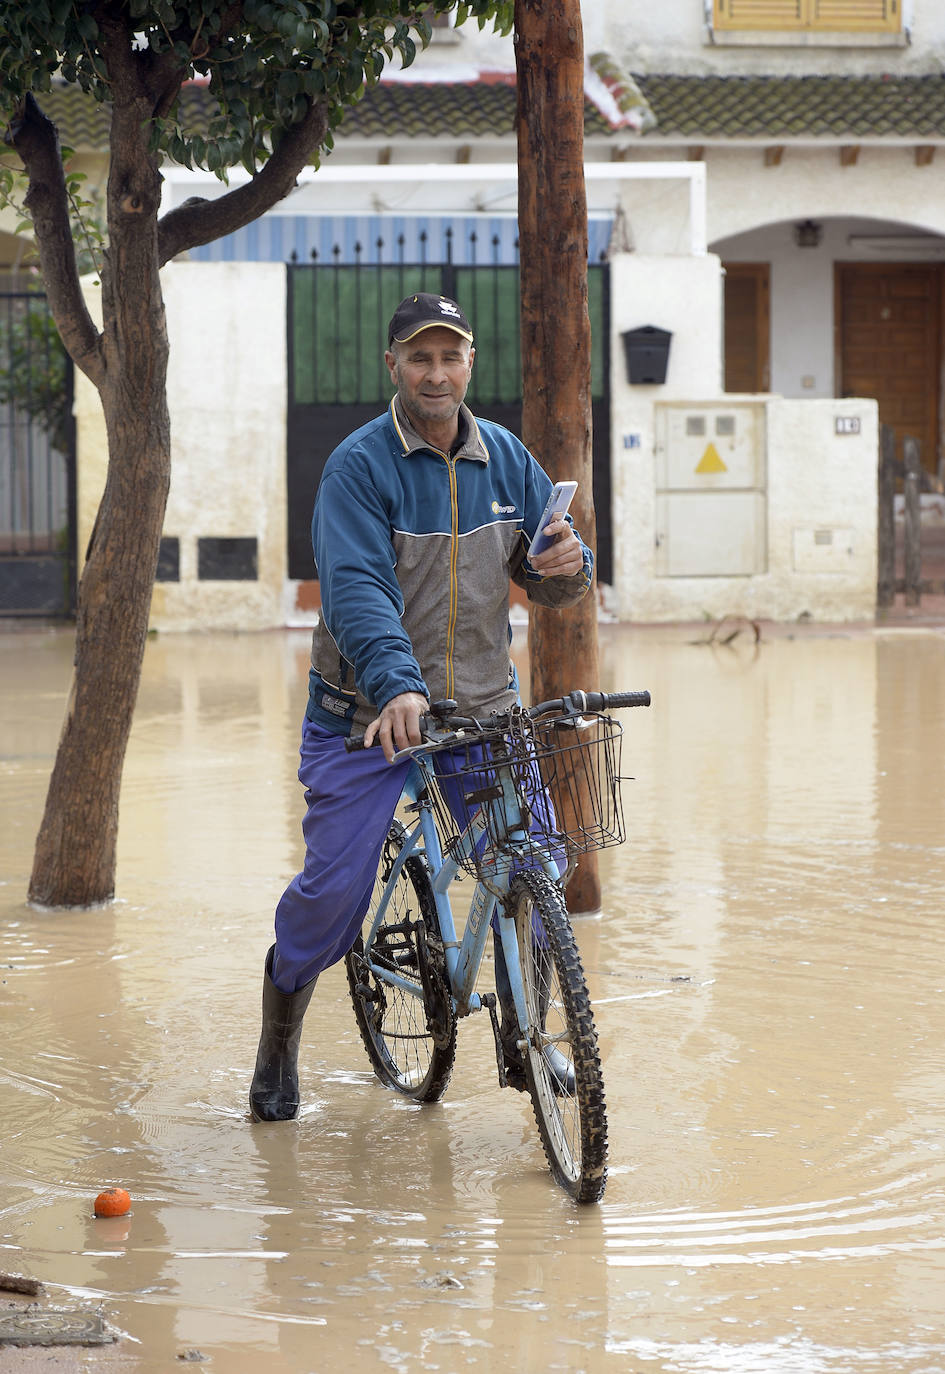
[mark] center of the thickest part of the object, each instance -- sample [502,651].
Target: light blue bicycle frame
[463,957]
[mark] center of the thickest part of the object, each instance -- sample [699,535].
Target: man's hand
[398,725]
[565,557]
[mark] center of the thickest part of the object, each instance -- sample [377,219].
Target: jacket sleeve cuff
[388,692]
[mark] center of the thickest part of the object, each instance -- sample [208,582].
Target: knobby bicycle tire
[410,1039]
[566,1088]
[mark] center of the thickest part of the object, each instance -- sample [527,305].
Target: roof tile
[686,108]
[798,106]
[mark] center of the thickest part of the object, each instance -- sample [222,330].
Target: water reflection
[768,975]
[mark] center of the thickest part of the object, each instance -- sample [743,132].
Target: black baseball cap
[425,311]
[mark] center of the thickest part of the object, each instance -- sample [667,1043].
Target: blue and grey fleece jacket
[414,549]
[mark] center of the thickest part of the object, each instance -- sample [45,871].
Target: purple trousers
[350,803]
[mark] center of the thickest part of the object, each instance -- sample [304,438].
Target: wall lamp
[808,233]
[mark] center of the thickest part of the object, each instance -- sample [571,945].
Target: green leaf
[408,50]
[287,25]
[279,56]
[313,82]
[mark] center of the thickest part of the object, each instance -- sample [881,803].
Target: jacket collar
[472,446]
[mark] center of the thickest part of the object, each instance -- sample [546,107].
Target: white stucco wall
[802,288]
[683,295]
[816,501]
[813,511]
[674,36]
[751,211]
[227,401]
[821,483]
[884,184]
[810,526]
[91,443]
[227,394]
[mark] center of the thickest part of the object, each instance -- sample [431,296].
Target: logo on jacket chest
[502,510]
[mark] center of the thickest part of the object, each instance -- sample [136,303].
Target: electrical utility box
[711,489]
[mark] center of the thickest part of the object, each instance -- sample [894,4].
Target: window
[815,16]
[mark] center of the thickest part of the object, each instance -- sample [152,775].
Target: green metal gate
[337,331]
[37,462]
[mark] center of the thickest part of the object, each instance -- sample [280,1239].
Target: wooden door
[888,330]
[747,326]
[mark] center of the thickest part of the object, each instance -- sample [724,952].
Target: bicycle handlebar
[574,704]
[589,701]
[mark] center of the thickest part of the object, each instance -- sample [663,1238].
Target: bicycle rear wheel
[408,1031]
[562,1061]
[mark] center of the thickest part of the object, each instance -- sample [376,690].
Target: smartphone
[556,506]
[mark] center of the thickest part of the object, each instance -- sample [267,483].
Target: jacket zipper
[454,582]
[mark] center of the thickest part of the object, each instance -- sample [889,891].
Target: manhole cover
[53,1328]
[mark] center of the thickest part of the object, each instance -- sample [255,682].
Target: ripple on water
[887,1220]
[788,1355]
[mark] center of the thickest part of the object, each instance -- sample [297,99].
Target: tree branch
[36,140]
[200,221]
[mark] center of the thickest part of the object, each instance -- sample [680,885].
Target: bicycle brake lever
[407,753]
[435,739]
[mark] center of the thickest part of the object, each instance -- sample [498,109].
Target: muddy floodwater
[768,975]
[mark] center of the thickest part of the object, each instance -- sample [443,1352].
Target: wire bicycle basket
[565,773]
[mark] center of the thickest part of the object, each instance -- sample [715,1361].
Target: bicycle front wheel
[398,988]
[562,1060]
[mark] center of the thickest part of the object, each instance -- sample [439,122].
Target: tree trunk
[74,859]
[556,333]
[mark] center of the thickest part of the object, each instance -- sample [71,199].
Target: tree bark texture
[74,859]
[555,328]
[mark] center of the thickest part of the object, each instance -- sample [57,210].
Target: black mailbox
[647,354]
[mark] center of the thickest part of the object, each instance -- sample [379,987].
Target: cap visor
[433,324]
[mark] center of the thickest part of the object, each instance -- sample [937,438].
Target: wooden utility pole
[556,331]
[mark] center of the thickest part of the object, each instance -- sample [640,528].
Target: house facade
[761,180]
[820,123]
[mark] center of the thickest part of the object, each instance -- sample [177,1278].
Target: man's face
[431,373]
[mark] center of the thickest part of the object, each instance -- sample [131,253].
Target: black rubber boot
[274,1094]
[560,1068]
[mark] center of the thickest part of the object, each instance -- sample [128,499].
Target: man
[421,518]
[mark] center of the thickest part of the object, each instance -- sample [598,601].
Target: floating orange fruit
[113,1202]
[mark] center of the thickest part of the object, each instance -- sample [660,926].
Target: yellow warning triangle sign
[710,461]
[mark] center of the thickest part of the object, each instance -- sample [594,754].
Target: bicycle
[480,793]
